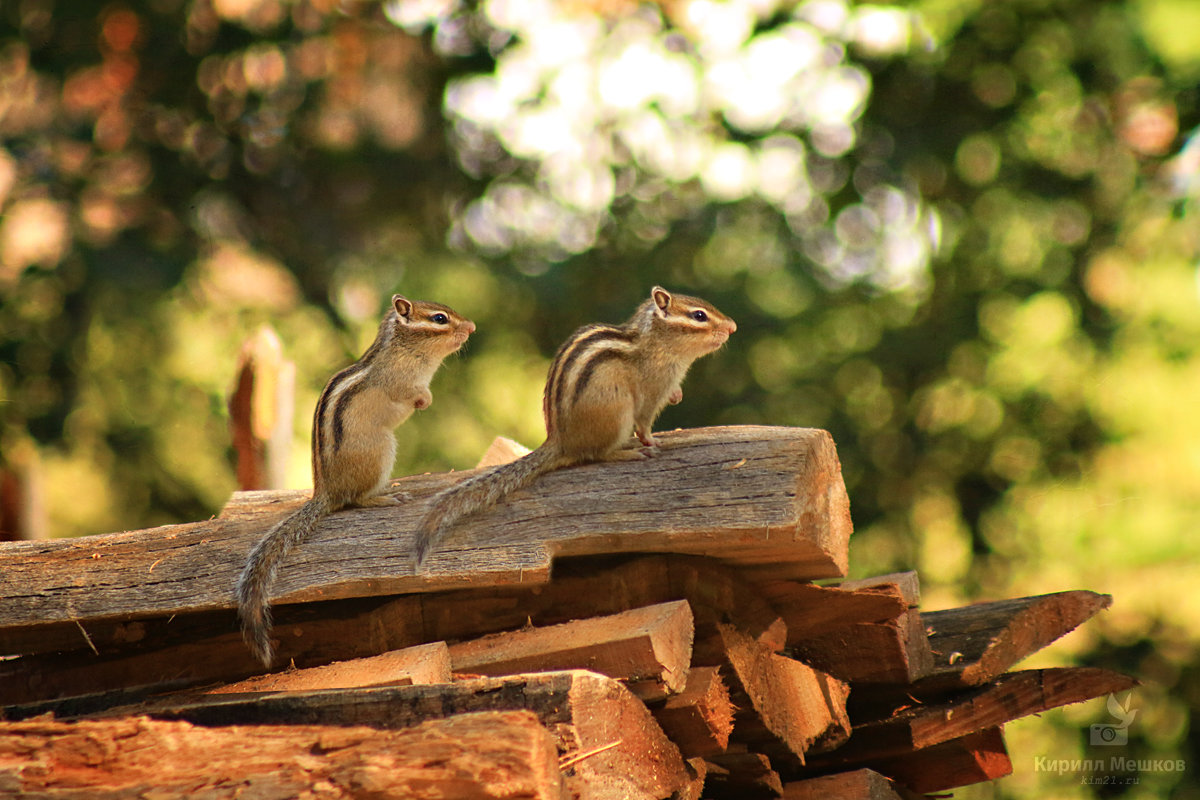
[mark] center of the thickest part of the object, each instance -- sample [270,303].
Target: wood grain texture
[769,498]
[700,718]
[1009,697]
[583,710]
[859,784]
[496,755]
[976,643]
[650,645]
[974,758]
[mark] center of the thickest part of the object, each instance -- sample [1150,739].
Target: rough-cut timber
[785,708]
[628,755]
[650,646]
[1009,697]
[763,497]
[869,649]
[700,718]
[973,758]
[423,664]
[859,784]
[742,775]
[975,644]
[470,757]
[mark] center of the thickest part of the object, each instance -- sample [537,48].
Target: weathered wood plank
[651,646]
[742,775]
[974,644]
[630,757]
[471,757]
[866,631]
[749,495]
[1009,697]
[422,664]
[202,648]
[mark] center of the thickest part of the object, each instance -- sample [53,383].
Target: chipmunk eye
[440,318]
[699,316]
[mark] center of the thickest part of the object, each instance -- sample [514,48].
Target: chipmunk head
[440,328]
[693,324]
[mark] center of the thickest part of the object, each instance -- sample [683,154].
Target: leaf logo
[1122,711]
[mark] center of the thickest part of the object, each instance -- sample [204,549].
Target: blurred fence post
[261,409]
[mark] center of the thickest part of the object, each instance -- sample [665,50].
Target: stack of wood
[678,648]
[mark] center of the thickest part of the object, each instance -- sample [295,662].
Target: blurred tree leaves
[962,236]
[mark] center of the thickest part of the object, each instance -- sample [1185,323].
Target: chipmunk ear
[403,307]
[662,299]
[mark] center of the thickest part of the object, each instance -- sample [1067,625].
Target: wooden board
[586,712]
[979,642]
[649,646]
[1009,697]
[859,784]
[974,758]
[201,648]
[422,664]
[471,757]
[765,497]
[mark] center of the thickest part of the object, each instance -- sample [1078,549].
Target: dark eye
[440,318]
[699,316]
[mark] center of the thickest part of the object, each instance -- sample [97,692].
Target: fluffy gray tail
[254,585]
[478,493]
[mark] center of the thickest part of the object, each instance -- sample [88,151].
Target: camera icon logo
[1101,734]
[1116,735]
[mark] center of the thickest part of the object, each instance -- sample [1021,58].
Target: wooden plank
[472,757]
[627,754]
[651,646]
[784,708]
[700,718]
[859,784]
[742,775]
[864,631]
[974,644]
[748,495]
[202,648]
[422,664]
[1009,697]
[974,758]
[209,650]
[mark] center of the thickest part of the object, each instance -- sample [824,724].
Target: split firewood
[977,643]
[742,775]
[974,758]
[472,756]
[422,664]
[700,718]
[649,647]
[1009,697]
[860,784]
[610,744]
[784,708]
[870,646]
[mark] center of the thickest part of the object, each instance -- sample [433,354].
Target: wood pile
[678,648]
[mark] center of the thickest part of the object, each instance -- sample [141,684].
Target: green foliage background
[981,276]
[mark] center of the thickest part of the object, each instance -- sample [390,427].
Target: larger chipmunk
[605,381]
[353,442]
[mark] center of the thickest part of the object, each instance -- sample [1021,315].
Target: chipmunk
[605,381]
[353,443]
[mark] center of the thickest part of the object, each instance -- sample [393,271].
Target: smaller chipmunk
[605,381]
[353,442]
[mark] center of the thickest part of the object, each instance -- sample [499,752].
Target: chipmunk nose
[732,326]
[469,326]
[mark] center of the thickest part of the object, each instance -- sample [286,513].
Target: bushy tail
[478,493]
[254,585]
